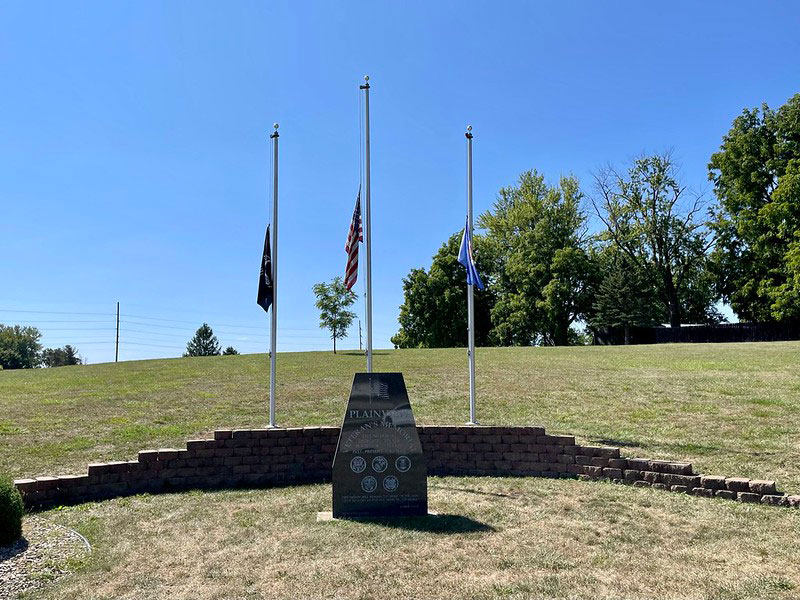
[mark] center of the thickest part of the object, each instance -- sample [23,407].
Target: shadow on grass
[440,524]
[362,353]
[11,550]
[479,492]
[620,443]
[688,448]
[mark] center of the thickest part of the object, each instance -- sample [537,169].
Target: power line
[79,329]
[50,312]
[116,336]
[174,327]
[176,335]
[126,338]
[29,322]
[228,335]
[74,343]
[216,328]
[152,345]
[214,325]
[156,325]
[45,312]
[183,336]
[189,322]
[158,332]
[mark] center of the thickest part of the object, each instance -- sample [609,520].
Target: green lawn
[732,409]
[500,538]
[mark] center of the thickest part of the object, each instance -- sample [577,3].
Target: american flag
[351,247]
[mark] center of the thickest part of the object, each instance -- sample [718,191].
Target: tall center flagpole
[274,315]
[470,289]
[368,228]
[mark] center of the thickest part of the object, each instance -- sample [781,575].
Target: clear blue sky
[134,150]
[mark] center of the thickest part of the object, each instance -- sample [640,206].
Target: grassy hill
[731,409]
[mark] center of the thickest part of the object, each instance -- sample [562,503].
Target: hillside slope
[729,408]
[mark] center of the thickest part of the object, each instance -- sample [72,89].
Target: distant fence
[726,332]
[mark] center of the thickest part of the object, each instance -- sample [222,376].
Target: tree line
[20,349]
[663,254]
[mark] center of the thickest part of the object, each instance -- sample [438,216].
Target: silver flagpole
[368,229]
[274,316]
[470,289]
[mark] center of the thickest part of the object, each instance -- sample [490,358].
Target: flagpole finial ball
[469,127]
[275,125]
[366,77]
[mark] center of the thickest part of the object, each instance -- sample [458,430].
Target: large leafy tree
[756,176]
[61,357]
[19,347]
[333,300]
[544,271]
[434,309]
[203,343]
[650,217]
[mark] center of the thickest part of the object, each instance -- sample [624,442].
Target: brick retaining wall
[269,457]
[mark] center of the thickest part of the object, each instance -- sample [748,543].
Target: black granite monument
[379,469]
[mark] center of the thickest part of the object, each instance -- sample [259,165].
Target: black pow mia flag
[265,289]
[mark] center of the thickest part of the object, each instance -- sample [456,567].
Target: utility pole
[116,343]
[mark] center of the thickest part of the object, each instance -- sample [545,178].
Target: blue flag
[466,259]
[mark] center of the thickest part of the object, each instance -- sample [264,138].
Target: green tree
[203,343]
[544,271]
[756,176]
[60,357]
[568,295]
[434,309]
[333,299]
[699,295]
[649,216]
[625,297]
[230,351]
[19,347]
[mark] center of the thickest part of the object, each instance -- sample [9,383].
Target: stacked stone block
[524,451]
[680,477]
[270,457]
[234,458]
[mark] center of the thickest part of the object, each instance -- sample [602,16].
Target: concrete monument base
[327,515]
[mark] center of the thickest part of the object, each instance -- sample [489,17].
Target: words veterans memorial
[379,469]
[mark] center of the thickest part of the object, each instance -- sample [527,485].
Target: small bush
[11,509]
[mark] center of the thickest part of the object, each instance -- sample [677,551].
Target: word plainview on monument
[379,469]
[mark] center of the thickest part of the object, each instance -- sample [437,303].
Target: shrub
[11,509]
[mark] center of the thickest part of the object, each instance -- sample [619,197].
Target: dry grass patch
[495,538]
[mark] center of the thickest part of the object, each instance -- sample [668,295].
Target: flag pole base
[472,423]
